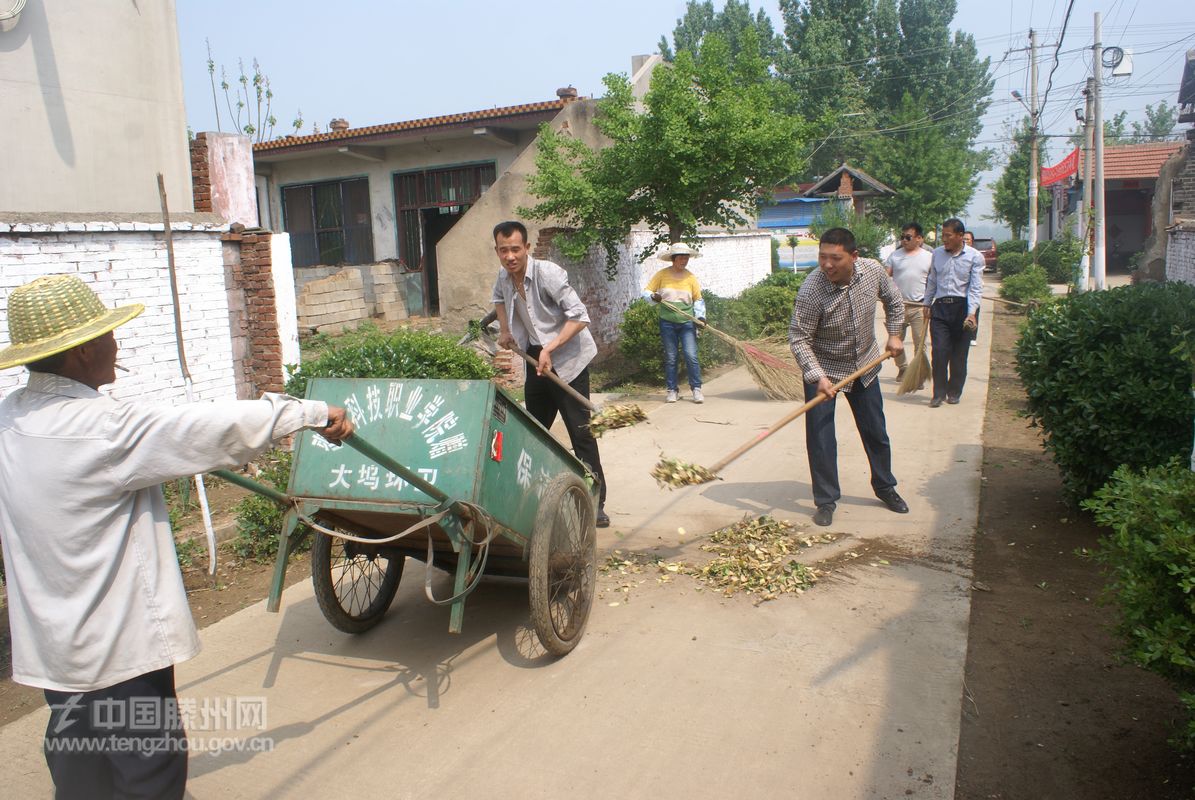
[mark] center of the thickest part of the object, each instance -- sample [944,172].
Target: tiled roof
[488,114]
[1128,161]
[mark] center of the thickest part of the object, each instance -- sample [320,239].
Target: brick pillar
[510,369]
[543,244]
[262,364]
[201,180]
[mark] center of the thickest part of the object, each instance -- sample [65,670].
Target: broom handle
[554,378]
[726,337]
[985,297]
[721,465]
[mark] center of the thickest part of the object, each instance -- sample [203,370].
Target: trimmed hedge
[1027,286]
[1012,264]
[1105,380]
[1149,557]
[1060,258]
[402,354]
[1011,246]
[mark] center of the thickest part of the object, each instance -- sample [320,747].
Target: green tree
[1010,203]
[701,19]
[933,174]
[711,138]
[1159,123]
[869,234]
[861,57]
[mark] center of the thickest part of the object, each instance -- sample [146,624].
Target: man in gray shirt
[541,314]
[909,266]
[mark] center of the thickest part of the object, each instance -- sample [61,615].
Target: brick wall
[333,304]
[1182,198]
[259,366]
[1180,254]
[125,262]
[201,180]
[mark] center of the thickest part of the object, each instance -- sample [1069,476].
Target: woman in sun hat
[679,288]
[96,604]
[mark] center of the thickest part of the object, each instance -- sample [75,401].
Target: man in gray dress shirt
[541,314]
[953,291]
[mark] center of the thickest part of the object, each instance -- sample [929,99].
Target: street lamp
[1032,160]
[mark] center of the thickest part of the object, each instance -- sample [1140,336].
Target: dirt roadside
[1051,712]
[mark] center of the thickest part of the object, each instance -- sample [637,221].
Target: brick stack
[389,303]
[252,273]
[510,369]
[333,304]
[201,181]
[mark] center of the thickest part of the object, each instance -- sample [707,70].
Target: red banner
[1065,167]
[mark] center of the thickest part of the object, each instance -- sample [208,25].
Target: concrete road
[852,690]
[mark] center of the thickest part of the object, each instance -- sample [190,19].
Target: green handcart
[453,473]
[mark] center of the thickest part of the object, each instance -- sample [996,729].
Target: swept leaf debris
[615,416]
[672,472]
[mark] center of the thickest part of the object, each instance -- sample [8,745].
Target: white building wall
[92,99]
[1180,255]
[284,300]
[126,263]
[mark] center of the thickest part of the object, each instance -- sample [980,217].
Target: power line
[1050,81]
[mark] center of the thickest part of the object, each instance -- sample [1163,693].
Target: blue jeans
[683,334]
[867,405]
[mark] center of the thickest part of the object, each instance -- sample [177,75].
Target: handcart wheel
[562,569]
[354,584]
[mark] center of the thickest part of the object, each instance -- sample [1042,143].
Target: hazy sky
[376,62]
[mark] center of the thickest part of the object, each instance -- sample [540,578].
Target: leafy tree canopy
[712,137]
[1010,202]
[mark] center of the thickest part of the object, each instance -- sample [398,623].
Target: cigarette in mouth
[121,368]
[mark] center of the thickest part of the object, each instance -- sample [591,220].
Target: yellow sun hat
[52,314]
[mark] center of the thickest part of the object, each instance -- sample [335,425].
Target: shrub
[1149,557]
[1106,382]
[870,235]
[402,354]
[1027,286]
[761,311]
[1012,264]
[259,519]
[1011,246]
[786,279]
[1060,258]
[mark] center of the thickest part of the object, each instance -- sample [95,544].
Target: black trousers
[545,399]
[951,344]
[123,741]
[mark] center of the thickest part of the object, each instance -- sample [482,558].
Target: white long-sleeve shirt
[95,596]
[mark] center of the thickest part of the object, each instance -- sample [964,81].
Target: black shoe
[603,519]
[935,402]
[890,498]
[824,515]
[952,401]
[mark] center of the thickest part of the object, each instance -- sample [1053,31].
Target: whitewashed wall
[126,263]
[1180,254]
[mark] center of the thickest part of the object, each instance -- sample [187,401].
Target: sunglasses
[908,237]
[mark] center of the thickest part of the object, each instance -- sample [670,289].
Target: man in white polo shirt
[909,267]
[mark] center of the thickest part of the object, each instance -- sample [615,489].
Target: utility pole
[1085,216]
[1099,258]
[1032,140]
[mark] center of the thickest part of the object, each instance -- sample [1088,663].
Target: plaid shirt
[832,332]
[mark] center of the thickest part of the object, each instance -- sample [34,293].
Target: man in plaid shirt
[832,334]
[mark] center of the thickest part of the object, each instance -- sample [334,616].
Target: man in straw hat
[539,312]
[96,603]
[832,334]
[680,288]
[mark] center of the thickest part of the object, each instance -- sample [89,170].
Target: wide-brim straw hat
[52,314]
[678,249]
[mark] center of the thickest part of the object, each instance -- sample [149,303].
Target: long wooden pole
[721,465]
[580,398]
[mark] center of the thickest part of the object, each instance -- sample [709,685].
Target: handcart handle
[252,485]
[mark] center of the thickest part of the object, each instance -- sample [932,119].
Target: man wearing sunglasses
[909,267]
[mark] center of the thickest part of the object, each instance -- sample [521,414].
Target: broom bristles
[918,371]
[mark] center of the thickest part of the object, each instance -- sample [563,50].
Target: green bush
[402,354]
[259,520]
[761,311]
[1149,557]
[870,235]
[787,279]
[1060,258]
[1027,286]
[1106,382]
[1011,246]
[1012,264]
